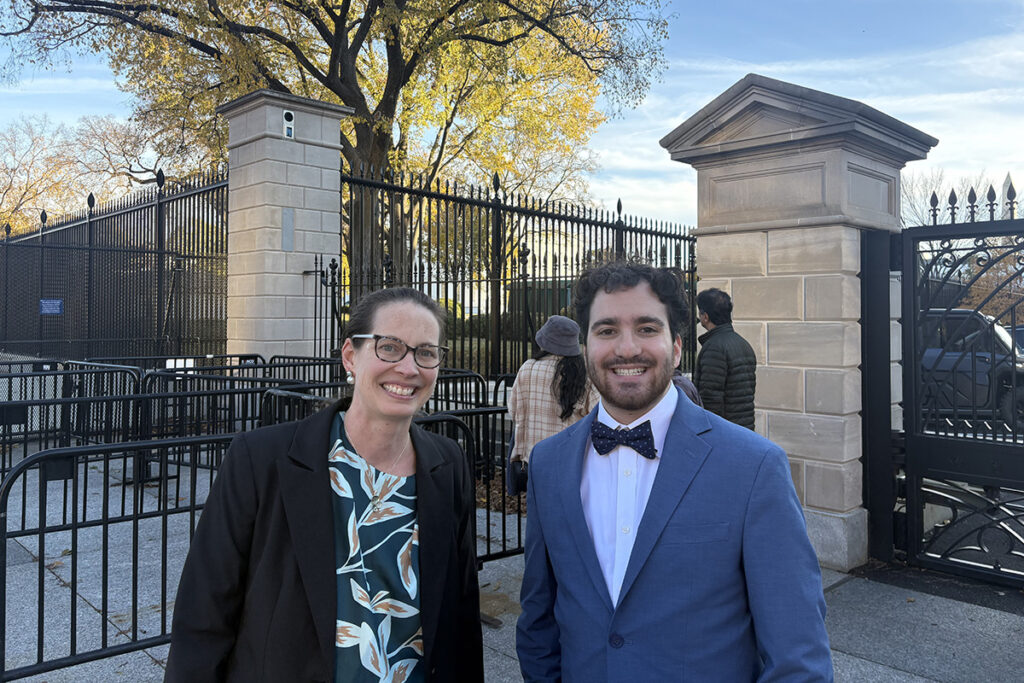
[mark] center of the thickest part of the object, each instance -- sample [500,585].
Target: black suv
[970,368]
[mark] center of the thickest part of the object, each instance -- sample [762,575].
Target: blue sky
[954,69]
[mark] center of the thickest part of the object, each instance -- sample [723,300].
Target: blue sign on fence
[51,307]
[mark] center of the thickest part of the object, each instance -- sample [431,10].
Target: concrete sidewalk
[885,624]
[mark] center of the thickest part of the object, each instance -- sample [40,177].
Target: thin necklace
[395,461]
[376,500]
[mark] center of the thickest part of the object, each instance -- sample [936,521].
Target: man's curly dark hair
[666,283]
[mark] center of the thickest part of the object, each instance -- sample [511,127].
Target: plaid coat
[534,408]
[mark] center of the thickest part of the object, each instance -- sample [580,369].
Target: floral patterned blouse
[376,549]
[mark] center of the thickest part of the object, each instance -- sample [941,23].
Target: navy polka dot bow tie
[639,438]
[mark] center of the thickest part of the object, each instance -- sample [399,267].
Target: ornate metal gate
[960,497]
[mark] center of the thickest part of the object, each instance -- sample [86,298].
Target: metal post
[691,265]
[42,268]
[7,276]
[90,229]
[620,234]
[335,322]
[524,259]
[876,417]
[178,268]
[160,261]
[335,316]
[497,244]
[909,313]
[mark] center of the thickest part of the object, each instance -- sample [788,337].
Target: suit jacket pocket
[687,532]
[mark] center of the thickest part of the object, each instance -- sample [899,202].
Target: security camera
[289,124]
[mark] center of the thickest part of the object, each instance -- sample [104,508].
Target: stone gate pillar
[284,208]
[791,182]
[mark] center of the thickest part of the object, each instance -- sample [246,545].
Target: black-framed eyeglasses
[392,350]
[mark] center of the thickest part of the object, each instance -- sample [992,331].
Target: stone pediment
[757,120]
[760,113]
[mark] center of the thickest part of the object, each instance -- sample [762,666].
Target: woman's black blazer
[257,599]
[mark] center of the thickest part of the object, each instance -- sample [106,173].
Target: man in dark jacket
[726,365]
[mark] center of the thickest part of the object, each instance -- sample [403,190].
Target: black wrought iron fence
[143,276]
[499,263]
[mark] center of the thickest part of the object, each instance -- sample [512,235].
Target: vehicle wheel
[1011,408]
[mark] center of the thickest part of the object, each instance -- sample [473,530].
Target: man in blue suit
[663,543]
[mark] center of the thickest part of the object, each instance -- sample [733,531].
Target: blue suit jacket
[722,583]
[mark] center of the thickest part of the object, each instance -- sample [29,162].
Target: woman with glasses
[341,547]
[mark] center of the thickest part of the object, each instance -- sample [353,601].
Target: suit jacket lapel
[434,500]
[685,453]
[576,445]
[306,495]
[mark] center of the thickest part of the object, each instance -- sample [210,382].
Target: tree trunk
[375,226]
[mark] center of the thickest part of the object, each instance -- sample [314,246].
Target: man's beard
[656,381]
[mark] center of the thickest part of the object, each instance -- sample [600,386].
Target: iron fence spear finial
[620,237]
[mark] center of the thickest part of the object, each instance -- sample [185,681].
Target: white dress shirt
[615,488]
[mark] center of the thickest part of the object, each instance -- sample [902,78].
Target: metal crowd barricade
[110,543]
[94,571]
[284,405]
[185,361]
[177,403]
[483,434]
[287,405]
[23,365]
[306,369]
[74,404]
[457,389]
[502,387]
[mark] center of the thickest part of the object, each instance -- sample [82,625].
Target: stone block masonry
[284,209]
[788,179]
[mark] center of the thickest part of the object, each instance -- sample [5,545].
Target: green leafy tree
[433,84]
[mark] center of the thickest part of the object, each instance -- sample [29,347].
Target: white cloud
[60,85]
[666,196]
[969,95]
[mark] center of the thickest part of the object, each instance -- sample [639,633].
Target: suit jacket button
[616,640]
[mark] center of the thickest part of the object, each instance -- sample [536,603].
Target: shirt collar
[660,416]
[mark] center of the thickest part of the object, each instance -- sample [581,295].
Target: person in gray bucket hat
[559,336]
[550,393]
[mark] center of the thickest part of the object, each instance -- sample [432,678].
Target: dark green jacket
[726,374]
